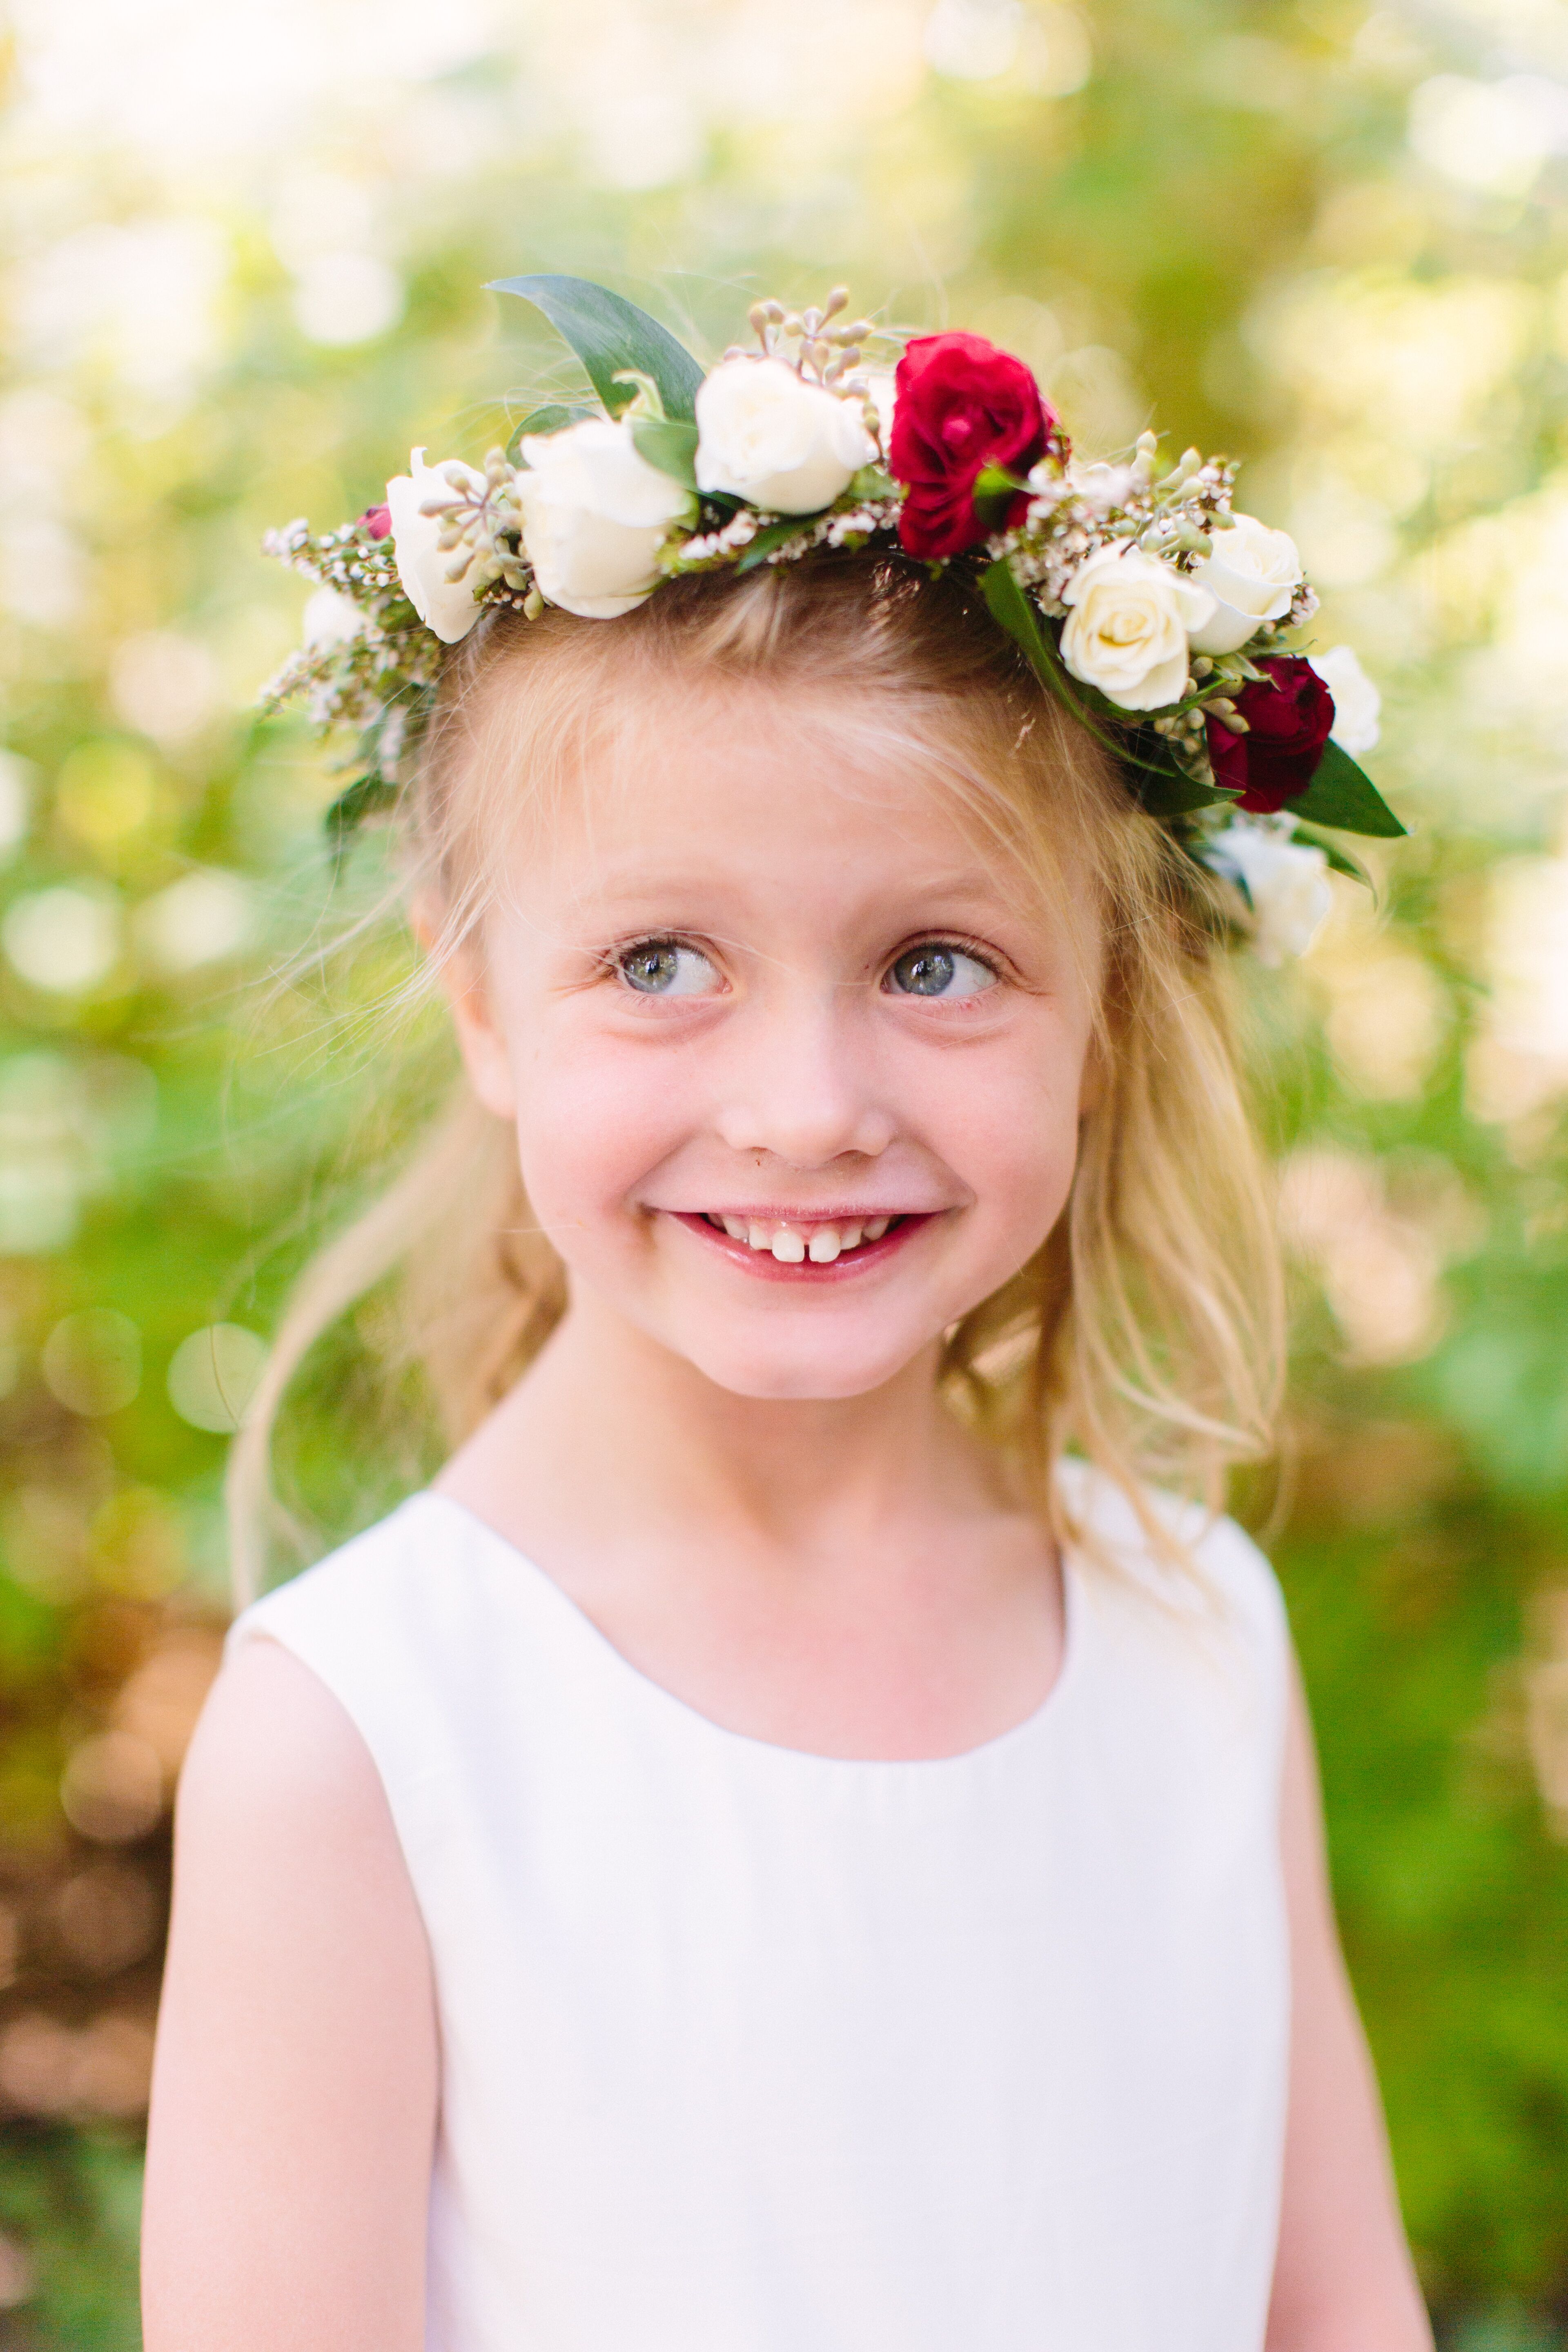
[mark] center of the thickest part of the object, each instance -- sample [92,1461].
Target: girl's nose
[801,1089]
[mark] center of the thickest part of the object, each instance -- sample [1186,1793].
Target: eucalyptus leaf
[671,447]
[611,337]
[553,418]
[1343,795]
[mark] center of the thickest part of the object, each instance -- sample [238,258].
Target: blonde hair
[1146,1334]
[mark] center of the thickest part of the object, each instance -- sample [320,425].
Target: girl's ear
[466,984]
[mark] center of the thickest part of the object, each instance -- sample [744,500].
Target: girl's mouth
[804,1248]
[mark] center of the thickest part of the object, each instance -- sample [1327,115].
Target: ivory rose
[1287,882]
[445,605]
[594,516]
[765,435]
[1129,619]
[1357,702]
[1252,575]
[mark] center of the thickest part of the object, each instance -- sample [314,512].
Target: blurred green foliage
[242,251]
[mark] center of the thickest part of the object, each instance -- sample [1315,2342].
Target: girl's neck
[611,1414]
[843,1576]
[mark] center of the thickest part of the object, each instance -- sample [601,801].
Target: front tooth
[758,1237]
[825,1244]
[875,1227]
[848,1236]
[735,1227]
[788,1247]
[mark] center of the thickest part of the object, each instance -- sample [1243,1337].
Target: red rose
[961,405]
[1289,715]
[377,521]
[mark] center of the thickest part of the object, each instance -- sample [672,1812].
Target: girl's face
[795,1067]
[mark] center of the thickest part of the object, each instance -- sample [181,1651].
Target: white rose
[1286,881]
[1129,619]
[766,436]
[594,516]
[445,605]
[1253,574]
[1357,701]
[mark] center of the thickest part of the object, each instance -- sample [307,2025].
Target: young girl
[804,1838]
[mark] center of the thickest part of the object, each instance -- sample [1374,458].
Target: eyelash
[617,958]
[981,953]
[956,943]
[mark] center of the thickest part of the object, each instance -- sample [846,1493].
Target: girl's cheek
[593,1122]
[1020,1137]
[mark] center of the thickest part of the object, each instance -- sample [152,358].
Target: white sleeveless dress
[746,2050]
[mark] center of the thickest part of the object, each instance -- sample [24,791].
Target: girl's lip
[762,1263]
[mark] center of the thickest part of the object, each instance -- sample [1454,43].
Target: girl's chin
[819,1368]
[797,1384]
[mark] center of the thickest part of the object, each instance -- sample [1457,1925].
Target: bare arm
[1343,2279]
[294,2090]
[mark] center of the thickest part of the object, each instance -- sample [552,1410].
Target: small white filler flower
[1101,485]
[1287,882]
[765,435]
[331,618]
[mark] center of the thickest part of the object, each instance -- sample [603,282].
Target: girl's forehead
[772,792]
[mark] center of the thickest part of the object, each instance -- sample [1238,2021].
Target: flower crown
[1143,600]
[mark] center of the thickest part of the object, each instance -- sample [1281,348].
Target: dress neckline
[597,1646]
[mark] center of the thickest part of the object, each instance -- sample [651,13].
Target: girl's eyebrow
[633,880]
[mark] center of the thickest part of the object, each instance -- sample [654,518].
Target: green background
[240,258]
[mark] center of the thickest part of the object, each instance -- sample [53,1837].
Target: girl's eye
[934,969]
[664,967]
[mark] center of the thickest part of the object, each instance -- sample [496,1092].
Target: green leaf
[672,447]
[367,796]
[772,535]
[553,418]
[1013,612]
[995,490]
[609,335]
[1340,859]
[1343,795]
[1170,792]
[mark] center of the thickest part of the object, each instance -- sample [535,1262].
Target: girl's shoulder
[399,1614]
[1215,1571]
[400,1566]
